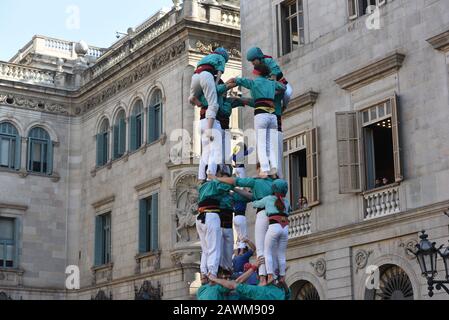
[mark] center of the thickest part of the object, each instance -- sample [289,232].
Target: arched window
[119,135]
[155,116]
[102,144]
[136,126]
[10,146]
[393,284]
[40,151]
[304,290]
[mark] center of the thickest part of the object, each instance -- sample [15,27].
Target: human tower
[225,190]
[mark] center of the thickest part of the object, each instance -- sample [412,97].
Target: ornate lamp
[427,255]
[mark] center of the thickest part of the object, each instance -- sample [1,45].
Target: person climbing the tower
[277,208]
[204,82]
[260,187]
[208,224]
[263,91]
[256,57]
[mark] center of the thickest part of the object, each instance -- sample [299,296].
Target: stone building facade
[88,180]
[362,87]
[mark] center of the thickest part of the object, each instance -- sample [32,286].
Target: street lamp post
[427,256]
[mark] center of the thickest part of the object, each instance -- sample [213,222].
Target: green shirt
[260,87]
[213,190]
[272,64]
[270,292]
[215,60]
[221,89]
[260,187]
[212,293]
[269,204]
[228,200]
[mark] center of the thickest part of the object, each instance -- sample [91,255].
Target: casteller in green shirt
[269,292]
[212,292]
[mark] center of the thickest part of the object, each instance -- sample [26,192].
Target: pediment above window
[372,72]
[440,42]
[301,102]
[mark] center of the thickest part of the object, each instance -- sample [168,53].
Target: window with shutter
[290,25]
[358,8]
[348,149]
[313,166]
[8,242]
[136,126]
[155,116]
[40,151]
[103,243]
[10,146]
[149,224]
[302,169]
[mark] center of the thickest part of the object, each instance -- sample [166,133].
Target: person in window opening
[263,91]
[260,187]
[378,183]
[303,203]
[385,182]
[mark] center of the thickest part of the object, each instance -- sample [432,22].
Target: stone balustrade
[59,45]
[230,18]
[381,202]
[300,224]
[14,72]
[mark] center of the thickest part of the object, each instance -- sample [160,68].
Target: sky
[94,21]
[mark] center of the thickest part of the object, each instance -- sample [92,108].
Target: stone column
[191,9]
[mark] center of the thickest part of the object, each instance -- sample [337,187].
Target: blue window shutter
[17,227]
[105,147]
[151,124]
[49,157]
[99,150]
[98,241]
[133,133]
[30,146]
[143,234]
[122,137]
[18,153]
[116,153]
[154,223]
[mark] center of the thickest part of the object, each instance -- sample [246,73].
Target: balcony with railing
[14,72]
[381,202]
[300,224]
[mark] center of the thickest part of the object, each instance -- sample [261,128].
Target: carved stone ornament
[135,76]
[148,292]
[101,295]
[320,268]
[209,47]
[34,104]
[361,259]
[409,247]
[186,208]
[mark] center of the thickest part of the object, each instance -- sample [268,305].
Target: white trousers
[266,126]
[239,172]
[211,242]
[241,228]
[261,228]
[227,248]
[280,154]
[211,151]
[204,83]
[201,229]
[276,241]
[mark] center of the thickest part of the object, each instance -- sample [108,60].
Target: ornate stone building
[365,138]
[87,177]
